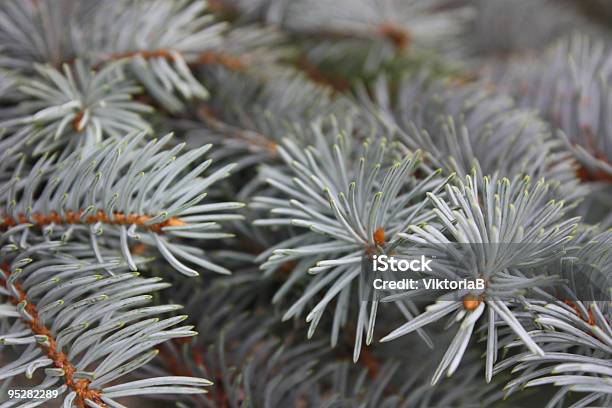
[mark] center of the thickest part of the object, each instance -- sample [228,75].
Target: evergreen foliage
[248,158]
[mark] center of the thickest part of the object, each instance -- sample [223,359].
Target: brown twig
[229,61]
[76,217]
[400,37]
[252,138]
[60,360]
[590,319]
[320,77]
[370,362]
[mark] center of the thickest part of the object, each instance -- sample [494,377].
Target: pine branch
[163,62]
[462,127]
[505,227]
[240,346]
[43,32]
[505,29]
[84,327]
[570,86]
[128,191]
[107,32]
[351,209]
[247,118]
[77,108]
[577,356]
